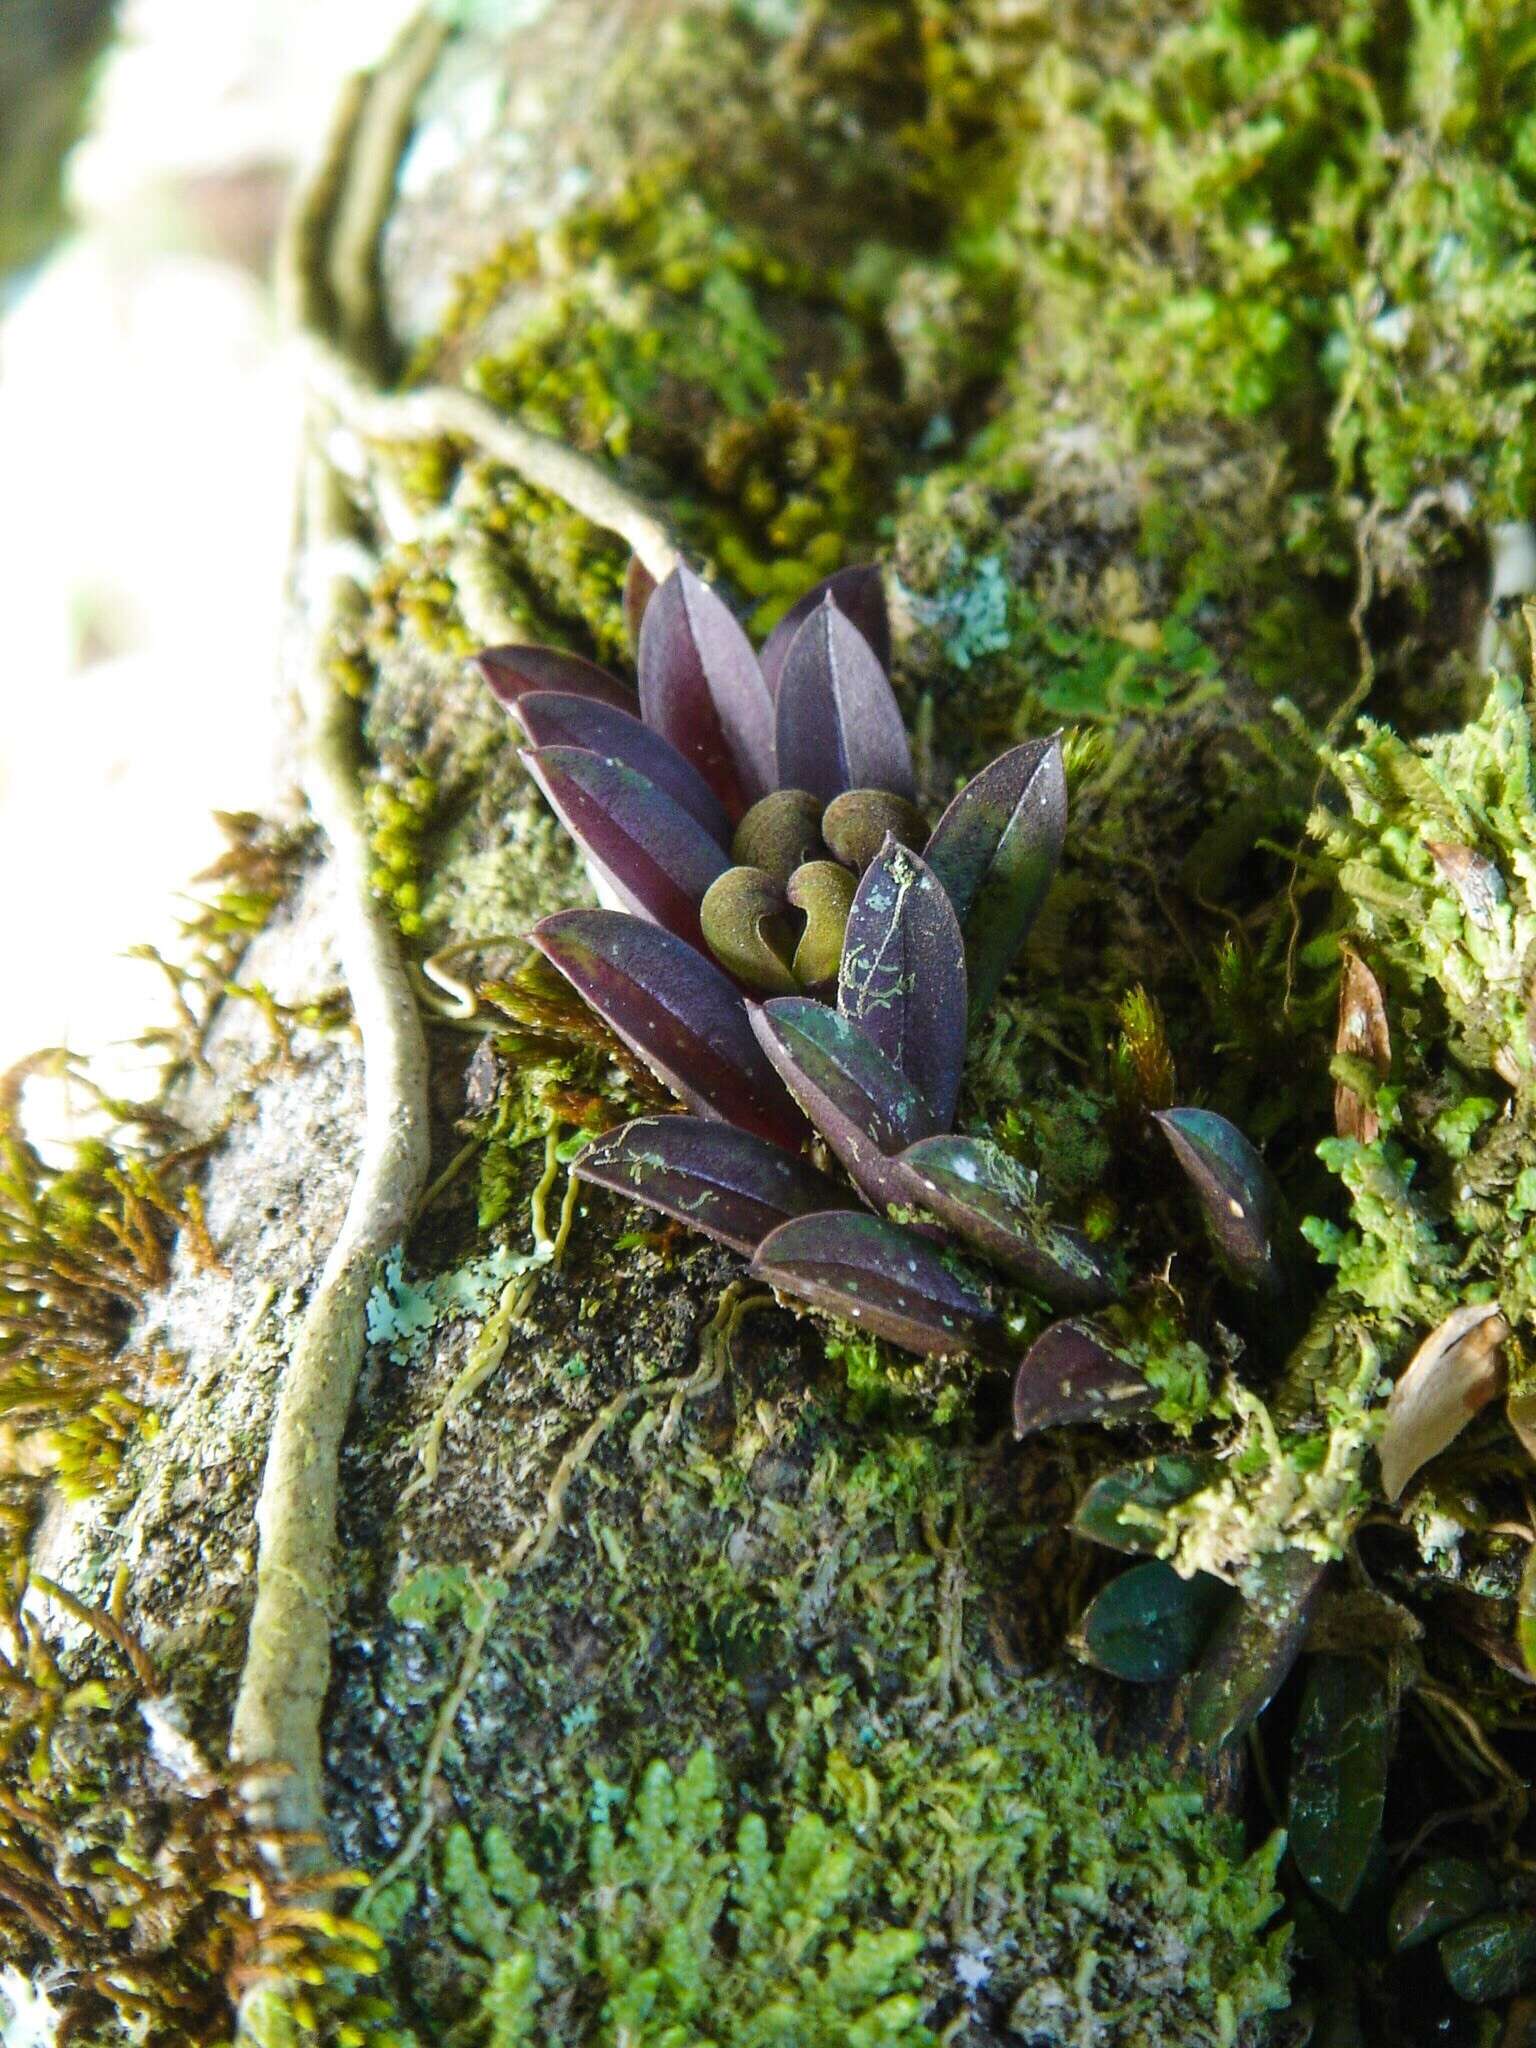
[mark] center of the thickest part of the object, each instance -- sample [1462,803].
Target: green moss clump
[698,1927]
[658,340]
[837,1609]
[133,1886]
[400,812]
[1436,861]
[696,1917]
[81,1247]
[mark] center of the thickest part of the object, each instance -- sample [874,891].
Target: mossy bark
[773,268]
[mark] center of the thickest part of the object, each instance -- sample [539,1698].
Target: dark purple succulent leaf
[858,593]
[902,976]
[701,688]
[995,850]
[1149,1625]
[837,721]
[675,1009]
[1072,1373]
[726,1182]
[989,1199]
[639,589]
[881,1277]
[657,857]
[1239,1200]
[553,718]
[863,1105]
[1124,1509]
[1252,1648]
[1436,1897]
[1339,1757]
[512,672]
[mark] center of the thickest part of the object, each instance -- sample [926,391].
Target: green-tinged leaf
[1253,1647]
[1124,1509]
[1339,1758]
[1149,1624]
[1525,1613]
[995,850]
[860,1101]
[902,975]
[989,1199]
[1436,1897]
[1239,1200]
[1491,1957]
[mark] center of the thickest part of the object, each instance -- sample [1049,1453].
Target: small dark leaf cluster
[799,957]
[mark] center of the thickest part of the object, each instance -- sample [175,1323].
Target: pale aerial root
[328,276]
[287,1664]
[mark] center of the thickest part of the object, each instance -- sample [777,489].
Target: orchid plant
[799,958]
[796,956]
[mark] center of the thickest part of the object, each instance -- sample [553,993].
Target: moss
[400,814]
[81,1247]
[1438,858]
[133,1885]
[658,341]
[698,1927]
[835,1609]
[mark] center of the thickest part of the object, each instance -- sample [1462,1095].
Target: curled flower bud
[780,833]
[823,891]
[854,825]
[746,925]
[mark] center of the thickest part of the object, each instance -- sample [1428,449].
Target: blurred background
[146,430]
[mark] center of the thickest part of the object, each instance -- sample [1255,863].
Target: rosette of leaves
[797,956]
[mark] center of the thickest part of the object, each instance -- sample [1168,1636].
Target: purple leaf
[989,1199]
[863,1105]
[995,850]
[902,977]
[859,595]
[883,1278]
[837,720]
[657,856]
[677,1011]
[1071,1374]
[701,688]
[512,672]
[711,1176]
[554,718]
[1239,1200]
